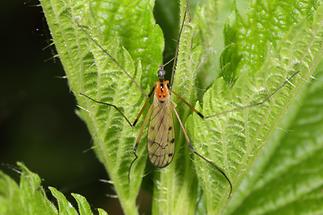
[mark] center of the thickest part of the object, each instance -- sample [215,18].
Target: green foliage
[127,29]
[260,147]
[271,152]
[29,198]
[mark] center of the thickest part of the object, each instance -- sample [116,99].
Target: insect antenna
[177,46]
[168,62]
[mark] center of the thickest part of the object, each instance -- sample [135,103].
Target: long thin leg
[83,28]
[111,105]
[143,107]
[254,104]
[199,155]
[188,104]
[141,131]
[119,110]
[264,100]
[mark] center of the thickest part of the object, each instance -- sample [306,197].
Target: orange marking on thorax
[161,90]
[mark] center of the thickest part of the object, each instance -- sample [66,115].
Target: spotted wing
[161,136]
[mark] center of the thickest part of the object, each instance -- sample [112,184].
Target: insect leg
[199,155]
[141,131]
[143,107]
[254,104]
[106,52]
[261,102]
[111,105]
[119,110]
[188,104]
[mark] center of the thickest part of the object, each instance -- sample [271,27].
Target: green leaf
[275,42]
[289,179]
[246,50]
[29,197]
[102,212]
[65,207]
[83,205]
[127,30]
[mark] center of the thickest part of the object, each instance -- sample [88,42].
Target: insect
[160,115]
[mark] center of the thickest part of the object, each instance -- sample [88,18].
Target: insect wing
[161,137]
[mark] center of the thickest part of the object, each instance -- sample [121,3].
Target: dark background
[38,124]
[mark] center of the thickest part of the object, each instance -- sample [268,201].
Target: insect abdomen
[161,137]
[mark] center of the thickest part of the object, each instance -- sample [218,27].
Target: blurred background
[38,124]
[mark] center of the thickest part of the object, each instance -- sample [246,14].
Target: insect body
[161,137]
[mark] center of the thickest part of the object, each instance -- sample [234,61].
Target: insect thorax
[162,93]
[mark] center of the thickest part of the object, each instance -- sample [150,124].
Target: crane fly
[161,137]
[159,117]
